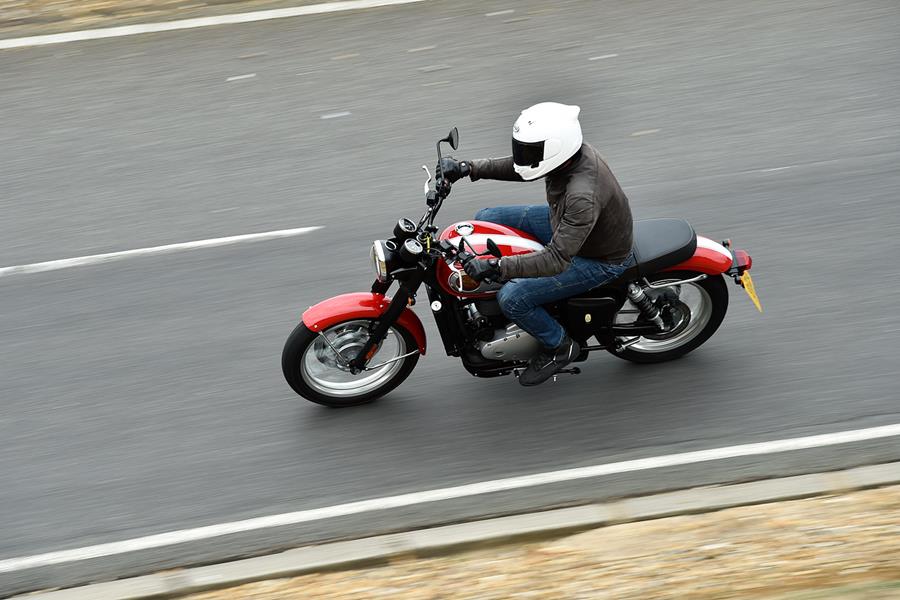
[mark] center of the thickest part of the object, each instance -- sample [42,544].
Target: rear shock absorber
[645,305]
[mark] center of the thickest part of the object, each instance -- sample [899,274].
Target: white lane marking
[246,17]
[422,49]
[644,132]
[603,56]
[776,169]
[336,115]
[433,68]
[497,13]
[345,56]
[473,489]
[877,137]
[566,46]
[239,77]
[95,259]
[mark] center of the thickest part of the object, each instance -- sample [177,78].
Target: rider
[586,227]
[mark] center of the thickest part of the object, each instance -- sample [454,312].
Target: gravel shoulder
[840,546]
[19,18]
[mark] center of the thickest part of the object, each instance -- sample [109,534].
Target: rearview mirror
[452,138]
[493,250]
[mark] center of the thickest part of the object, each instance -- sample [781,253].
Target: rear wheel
[695,309]
[316,367]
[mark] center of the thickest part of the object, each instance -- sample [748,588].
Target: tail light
[742,260]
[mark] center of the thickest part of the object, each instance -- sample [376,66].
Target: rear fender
[710,257]
[360,305]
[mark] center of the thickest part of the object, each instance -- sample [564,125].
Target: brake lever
[427,181]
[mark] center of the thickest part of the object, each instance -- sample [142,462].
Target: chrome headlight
[379,260]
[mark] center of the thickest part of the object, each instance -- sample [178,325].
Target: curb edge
[448,539]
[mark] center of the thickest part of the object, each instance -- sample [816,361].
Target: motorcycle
[354,348]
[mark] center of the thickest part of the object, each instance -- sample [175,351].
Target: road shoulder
[43,17]
[756,539]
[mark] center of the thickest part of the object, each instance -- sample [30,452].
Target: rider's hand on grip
[453,170]
[483,270]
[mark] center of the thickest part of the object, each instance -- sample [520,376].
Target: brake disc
[348,343]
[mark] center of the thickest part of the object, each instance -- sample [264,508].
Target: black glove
[453,170]
[483,270]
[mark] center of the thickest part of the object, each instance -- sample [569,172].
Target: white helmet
[545,136]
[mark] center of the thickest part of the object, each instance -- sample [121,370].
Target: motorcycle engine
[509,343]
[512,343]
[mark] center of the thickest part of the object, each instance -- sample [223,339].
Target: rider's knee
[511,301]
[484,214]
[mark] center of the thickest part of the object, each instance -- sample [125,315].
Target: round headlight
[379,261]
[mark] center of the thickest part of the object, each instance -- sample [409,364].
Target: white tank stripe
[480,239]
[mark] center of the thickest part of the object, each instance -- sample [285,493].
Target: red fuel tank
[510,241]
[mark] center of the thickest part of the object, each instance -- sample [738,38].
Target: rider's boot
[549,361]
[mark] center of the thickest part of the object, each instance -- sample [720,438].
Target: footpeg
[572,371]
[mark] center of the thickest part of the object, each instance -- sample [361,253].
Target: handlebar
[434,198]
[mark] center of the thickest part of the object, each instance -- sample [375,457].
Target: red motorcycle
[354,348]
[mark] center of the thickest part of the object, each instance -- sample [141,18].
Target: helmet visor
[527,154]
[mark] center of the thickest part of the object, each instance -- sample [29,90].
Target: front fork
[378,329]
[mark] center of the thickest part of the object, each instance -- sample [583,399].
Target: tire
[312,368]
[669,347]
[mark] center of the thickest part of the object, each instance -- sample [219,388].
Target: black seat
[662,243]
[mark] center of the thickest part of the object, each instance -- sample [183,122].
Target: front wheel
[697,309]
[316,367]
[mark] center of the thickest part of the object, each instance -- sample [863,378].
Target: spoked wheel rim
[697,303]
[326,372]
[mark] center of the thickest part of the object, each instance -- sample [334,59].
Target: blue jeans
[522,300]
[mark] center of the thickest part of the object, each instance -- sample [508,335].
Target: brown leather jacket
[589,214]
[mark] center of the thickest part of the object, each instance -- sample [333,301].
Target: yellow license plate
[747,282]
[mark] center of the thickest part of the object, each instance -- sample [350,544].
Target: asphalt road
[145,395]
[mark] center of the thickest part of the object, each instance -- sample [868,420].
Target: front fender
[360,305]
